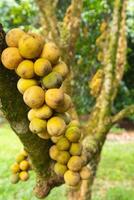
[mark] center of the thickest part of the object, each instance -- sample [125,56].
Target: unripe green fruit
[75,163]
[75,149]
[60,169]
[14,178]
[38,125]
[54,152]
[63,144]
[85,173]
[73,134]
[56,126]
[65,116]
[71,178]
[63,157]
[52,80]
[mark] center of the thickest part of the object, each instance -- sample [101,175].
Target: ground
[114,181]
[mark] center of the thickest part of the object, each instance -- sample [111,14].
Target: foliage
[16,13]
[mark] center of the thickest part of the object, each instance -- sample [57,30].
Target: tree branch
[129,110]
[121,51]
[70,27]
[48,19]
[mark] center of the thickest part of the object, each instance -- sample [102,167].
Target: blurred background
[115,177]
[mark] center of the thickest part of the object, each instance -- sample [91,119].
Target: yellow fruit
[74,123]
[44,135]
[63,144]
[51,52]
[63,157]
[14,178]
[25,69]
[42,67]
[60,169]
[65,116]
[24,84]
[54,97]
[23,176]
[23,152]
[75,163]
[31,114]
[34,97]
[85,173]
[13,37]
[43,112]
[30,46]
[15,168]
[61,68]
[11,58]
[20,157]
[73,134]
[54,152]
[65,105]
[75,149]
[38,37]
[71,178]
[55,139]
[38,125]
[56,126]
[52,80]
[24,165]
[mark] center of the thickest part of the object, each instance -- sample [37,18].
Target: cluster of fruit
[20,168]
[41,75]
[67,152]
